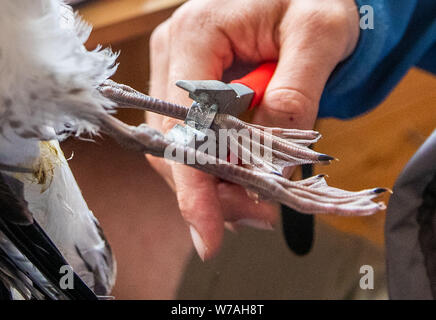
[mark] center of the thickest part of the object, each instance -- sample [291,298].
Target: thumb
[311,45]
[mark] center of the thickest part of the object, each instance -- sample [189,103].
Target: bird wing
[47,91]
[29,259]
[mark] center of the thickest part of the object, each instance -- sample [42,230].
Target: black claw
[380,190]
[277,173]
[325,157]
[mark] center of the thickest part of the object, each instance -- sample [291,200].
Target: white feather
[47,77]
[59,207]
[48,84]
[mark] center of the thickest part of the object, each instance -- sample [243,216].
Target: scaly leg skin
[312,196]
[126,96]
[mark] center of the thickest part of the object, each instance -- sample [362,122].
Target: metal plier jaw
[213,96]
[233,98]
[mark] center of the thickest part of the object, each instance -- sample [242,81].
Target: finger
[240,209]
[201,208]
[197,194]
[160,45]
[209,54]
[312,42]
[159,60]
[159,63]
[163,168]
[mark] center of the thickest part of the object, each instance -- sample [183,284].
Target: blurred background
[139,212]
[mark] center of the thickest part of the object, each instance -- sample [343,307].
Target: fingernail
[198,243]
[231,227]
[257,224]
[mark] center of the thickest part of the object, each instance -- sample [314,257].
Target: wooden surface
[374,148]
[119,20]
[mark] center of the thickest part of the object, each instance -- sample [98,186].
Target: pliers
[212,97]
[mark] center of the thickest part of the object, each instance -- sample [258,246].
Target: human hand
[203,38]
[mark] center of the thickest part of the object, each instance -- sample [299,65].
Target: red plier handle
[258,81]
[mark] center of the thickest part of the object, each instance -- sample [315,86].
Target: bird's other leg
[320,199]
[313,195]
[307,196]
[288,146]
[142,138]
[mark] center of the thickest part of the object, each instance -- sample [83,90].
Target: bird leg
[312,195]
[125,96]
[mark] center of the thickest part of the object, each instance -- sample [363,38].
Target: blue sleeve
[428,62]
[404,36]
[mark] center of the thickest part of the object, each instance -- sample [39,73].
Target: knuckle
[327,18]
[191,16]
[330,25]
[158,39]
[334,19]
[186,209]
[288,100]
[181,16]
